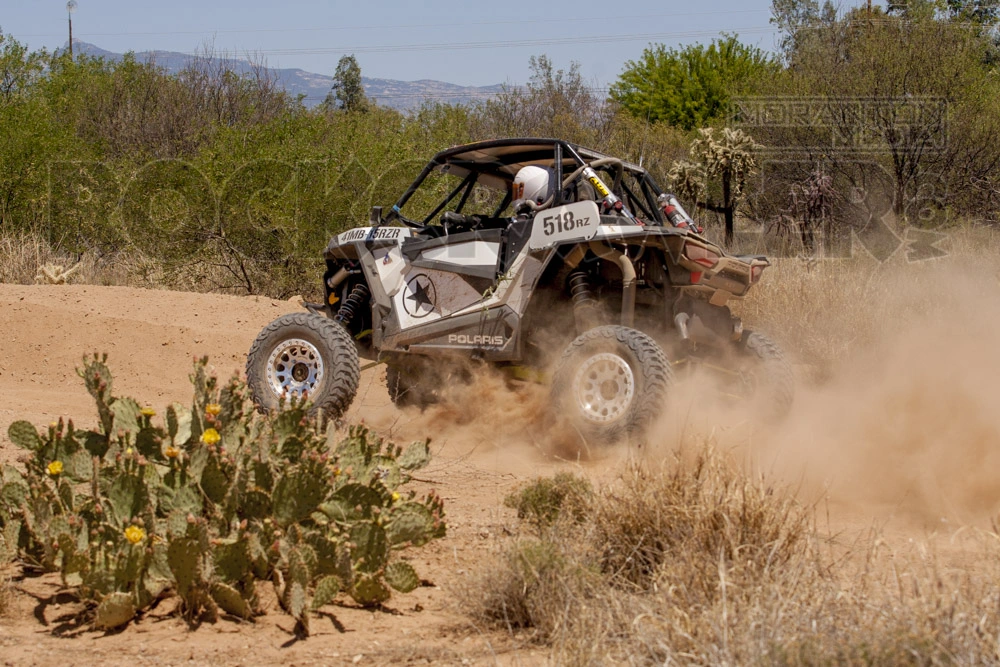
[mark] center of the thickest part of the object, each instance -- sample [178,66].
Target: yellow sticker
[599,186]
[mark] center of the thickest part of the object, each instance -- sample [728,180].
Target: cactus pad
[369,591]
[183,557]
[326,591]
[410,522]
[401,576]
[416,456]
[230,601]
[24,435]
[114,611]
[371,547]
[297,495]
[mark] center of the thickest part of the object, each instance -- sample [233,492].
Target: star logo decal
[420,296]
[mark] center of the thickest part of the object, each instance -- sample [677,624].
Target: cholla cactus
[730,157]
[689,181]
[212,500]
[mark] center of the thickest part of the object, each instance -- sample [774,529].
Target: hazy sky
[464,42]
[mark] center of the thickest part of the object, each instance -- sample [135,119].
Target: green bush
[212,500]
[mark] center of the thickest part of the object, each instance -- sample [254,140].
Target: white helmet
[532,183]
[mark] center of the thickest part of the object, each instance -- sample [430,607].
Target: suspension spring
[579,288]
[352,304]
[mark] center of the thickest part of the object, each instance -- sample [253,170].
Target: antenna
[70,8]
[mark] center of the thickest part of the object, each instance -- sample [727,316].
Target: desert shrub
[542,501]
[703,564]
[212,501]
[676,529]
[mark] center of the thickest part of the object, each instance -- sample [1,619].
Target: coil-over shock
[354,301]
[584,305]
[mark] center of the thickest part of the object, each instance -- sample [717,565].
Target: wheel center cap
[609,389]
[300,372]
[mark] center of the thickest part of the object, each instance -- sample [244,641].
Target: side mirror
[375,217]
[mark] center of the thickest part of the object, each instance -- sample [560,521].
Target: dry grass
[704,565]
[22,255]
[823,310]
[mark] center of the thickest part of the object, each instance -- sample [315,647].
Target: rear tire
[611,382]
[304,355]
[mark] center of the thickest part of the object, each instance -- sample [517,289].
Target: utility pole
[70,8]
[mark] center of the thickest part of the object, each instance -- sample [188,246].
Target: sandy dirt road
[484,445]
[151,338]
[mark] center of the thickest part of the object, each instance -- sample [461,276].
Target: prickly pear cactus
[208,500]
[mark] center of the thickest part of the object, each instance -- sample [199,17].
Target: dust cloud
[905,423]
[903,420]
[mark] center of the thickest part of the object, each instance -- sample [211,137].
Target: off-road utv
[608,277]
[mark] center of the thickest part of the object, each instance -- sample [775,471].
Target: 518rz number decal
[572,222]
[559,223]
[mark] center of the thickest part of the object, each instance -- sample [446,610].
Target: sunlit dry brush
[658,548]
[700,563]
[27,258]
[825,310]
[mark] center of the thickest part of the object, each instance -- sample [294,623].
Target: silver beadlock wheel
[302,355]
[295,368]
[610,383]
[604,387]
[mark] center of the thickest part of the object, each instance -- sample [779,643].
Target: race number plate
[564,224]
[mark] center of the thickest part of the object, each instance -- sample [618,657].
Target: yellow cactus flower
[210,436]
[55,468]
[213,409]
[128,451]
[395,497]
[172,452]
[135,534]
[147,412]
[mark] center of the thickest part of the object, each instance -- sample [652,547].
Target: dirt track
[482,448]
[151,338]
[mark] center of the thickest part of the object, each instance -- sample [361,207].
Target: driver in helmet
[533,189]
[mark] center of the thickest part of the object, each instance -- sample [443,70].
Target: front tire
[611,382]
[302,355]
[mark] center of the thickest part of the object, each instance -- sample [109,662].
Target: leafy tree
[554,103]
[19,68]
[980,12]
[348,92]
[897,117]
[690,87]
[796,18]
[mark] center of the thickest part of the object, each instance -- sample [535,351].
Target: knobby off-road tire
[611,382]
[303,354]
[770,376]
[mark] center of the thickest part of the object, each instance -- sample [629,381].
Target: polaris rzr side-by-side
[514,252]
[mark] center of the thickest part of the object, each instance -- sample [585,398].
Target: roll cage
[495,163]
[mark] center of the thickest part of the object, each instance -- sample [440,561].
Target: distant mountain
[314,87]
